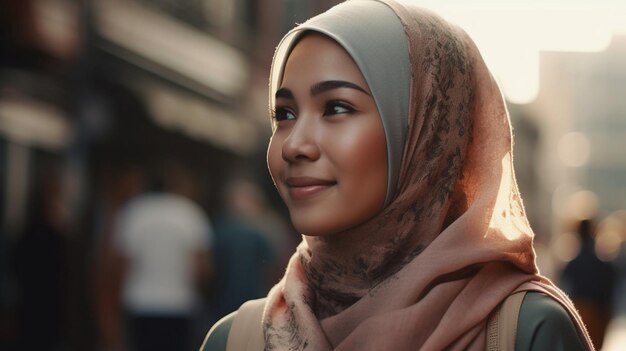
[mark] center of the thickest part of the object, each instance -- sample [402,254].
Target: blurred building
[581,116]
[601,117]
[100,88]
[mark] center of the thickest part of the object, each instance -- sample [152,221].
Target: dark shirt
[243,259]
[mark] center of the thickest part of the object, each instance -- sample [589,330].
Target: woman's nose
[301,144]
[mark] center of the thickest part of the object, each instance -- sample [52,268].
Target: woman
[391,147]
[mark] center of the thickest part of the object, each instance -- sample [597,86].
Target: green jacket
[543,324]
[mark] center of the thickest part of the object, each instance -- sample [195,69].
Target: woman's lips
[301,188]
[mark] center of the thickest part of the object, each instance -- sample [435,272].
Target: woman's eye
[283,114]
[337,108]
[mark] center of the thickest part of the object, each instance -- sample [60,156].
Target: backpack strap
[246,333]
[502,324]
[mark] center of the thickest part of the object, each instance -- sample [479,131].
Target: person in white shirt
[163,239]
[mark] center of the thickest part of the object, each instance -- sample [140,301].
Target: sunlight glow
[507,213]
[512,33]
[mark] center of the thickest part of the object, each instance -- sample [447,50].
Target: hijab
[452,240]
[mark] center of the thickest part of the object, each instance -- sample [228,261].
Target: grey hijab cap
[374,36]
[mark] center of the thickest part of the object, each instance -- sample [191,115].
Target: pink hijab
[450,245]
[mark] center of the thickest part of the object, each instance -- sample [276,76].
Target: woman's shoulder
[544,324]
[217,337]
[246,324]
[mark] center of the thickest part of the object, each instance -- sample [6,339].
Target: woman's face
[328,154]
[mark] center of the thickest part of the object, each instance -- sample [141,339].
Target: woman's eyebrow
[324,86]
[321,87]
[284,93]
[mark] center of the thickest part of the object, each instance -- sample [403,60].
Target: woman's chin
[309,227]
[325,222]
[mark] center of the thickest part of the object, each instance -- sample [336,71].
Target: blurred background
[117,114]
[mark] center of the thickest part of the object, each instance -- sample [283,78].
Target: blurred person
[620,265]
[246,199]
[245,257]
[120,185]
[41,268]
[163,240]
[619,299]
[615,336]
[590,282]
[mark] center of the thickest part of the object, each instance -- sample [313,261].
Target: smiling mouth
[302,188]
